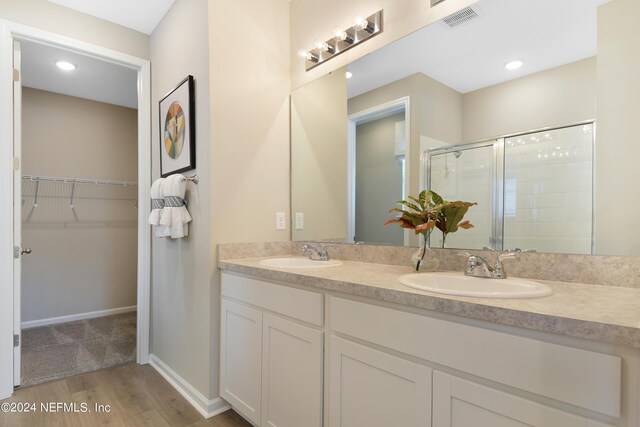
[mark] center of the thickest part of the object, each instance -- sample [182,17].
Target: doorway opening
[71,196]
[378,171]
[79,213]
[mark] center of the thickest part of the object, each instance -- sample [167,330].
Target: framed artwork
[178,129]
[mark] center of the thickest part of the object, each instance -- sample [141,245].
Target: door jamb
[10,31]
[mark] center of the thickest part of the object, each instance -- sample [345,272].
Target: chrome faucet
[316,254]
[477,266]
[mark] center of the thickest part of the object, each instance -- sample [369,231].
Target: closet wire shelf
[38,188]
[49,201]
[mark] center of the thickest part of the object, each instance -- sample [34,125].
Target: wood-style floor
[137,396]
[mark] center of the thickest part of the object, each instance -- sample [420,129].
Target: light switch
[299,221]
[281,222]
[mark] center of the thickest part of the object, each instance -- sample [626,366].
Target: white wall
[183,326]
[86,262]
[316,20]
[67,22]
[617,149]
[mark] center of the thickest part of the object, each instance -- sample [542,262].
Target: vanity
[349,345]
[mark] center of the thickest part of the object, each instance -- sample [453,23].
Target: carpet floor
[66,349]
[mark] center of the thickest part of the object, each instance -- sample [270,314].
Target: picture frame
[178,129]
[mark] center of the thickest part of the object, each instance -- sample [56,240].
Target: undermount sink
[298,262]
[461,285]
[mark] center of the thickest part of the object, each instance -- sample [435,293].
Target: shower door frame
[497,225]
[497,182]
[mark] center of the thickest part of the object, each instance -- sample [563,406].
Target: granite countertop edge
[588,316]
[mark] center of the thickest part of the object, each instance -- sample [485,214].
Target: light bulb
[349,74]
[302,53]
[66,66]
[345,37]
[365,25]
[514,65]
[312,57]
[328,48]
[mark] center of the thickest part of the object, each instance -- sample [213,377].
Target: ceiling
[140,15]
[542,33]
[93,79]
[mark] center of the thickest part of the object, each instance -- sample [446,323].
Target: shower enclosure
[534,190]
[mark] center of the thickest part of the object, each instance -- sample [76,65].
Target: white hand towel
[174,213]
[157,205]
[157,202]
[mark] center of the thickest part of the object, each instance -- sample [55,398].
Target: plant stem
[424,251]
[444,237]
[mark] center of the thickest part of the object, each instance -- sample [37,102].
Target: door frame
[10,31]
[370,114]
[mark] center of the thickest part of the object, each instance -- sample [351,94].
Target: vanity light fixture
[513,65]
[342,40]
[66,66]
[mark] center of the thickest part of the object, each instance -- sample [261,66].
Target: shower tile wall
[548,190]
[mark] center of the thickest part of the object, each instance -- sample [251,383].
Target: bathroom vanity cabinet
[271,359]
[294,355]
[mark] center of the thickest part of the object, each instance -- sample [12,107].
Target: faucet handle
[464,254]
[507,255]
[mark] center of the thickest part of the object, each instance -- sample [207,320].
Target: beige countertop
[601,313]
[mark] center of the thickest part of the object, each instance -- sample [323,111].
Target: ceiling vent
[462,17]
[436,2]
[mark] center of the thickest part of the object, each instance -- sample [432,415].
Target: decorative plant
[430,211]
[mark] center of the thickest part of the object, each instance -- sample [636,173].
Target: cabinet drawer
[292,302]
[579,377]
[457,402]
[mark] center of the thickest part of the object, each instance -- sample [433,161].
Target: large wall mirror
[547,146]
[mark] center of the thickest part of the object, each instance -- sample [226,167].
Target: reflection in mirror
[520,142]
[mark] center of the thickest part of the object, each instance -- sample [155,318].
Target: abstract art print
[177,129]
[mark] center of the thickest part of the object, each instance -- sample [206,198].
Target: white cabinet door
[291,374]
[241,358]
[374,389]
[461,403]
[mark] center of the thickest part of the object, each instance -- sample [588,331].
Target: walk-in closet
[79,214]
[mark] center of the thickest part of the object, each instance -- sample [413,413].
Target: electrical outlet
[281,222]
[299,221]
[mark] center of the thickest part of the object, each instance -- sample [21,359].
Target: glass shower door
[465,173]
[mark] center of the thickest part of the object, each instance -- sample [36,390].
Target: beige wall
[319,157]
[61,20]
[617,148]
[435,112]
[316,20]
[182,325]
[87,263]
[250,86]
[555,97]
[242,154]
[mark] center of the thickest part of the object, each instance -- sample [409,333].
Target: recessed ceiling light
[349,74]
[66,66]
[513,65]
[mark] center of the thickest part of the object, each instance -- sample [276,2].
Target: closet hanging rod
[78,181]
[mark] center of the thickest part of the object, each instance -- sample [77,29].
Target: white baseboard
[74,317]
[207,408]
